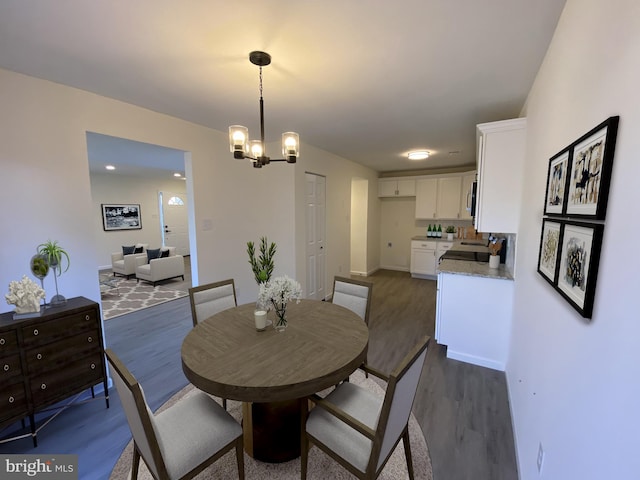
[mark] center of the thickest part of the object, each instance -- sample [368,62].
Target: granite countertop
[474,269]
[423,238]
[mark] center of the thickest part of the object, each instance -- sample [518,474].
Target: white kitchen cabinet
[473,318]
[501,151]
[448,200]
[426,198]
[423,254]
[441,248]
[397,187]
[465,199]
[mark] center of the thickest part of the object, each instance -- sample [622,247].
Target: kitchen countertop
[474,269]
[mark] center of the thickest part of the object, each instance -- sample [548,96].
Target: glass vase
[281,317]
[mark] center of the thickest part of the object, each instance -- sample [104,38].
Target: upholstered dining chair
[354,295]
[181,441]
[209,299]
[358,429]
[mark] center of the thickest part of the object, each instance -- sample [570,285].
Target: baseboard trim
[475,360]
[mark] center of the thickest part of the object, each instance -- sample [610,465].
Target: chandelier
[254,150]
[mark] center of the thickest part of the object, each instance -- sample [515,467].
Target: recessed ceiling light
[110,167]
[177,174]
[418,155]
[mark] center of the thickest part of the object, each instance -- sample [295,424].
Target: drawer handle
[87,317]
[2,341]
[6,368]
[11,399]
[93,366]
[39,356]
[35,331]
[43,386]
[89,339]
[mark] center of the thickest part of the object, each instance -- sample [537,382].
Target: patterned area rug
[320,466]
[129,296]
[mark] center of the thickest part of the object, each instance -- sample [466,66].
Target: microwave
[471,206]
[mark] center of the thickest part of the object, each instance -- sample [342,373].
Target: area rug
[130,296]
[320,465]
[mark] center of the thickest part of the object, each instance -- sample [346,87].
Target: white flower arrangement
[279,291]
[25,295]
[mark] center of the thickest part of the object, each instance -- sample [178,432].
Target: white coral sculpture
[25,295]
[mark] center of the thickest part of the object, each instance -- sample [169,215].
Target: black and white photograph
[591,171]
[557,178]
[121,217]
[579,259]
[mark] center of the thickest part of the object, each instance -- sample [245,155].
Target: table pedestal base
[272,430]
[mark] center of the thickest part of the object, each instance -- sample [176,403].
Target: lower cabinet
[423,255]
[46,359]
[473,318]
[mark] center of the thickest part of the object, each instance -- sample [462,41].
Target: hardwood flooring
[462,409]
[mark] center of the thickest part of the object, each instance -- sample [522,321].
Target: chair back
[354,295]
[398,401]
[139,416]
[207,300]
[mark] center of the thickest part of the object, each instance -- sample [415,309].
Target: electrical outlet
[540,457]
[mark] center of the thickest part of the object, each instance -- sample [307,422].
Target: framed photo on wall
[557,182]
[590,173]
[579,260]
[121,216]
[548,256]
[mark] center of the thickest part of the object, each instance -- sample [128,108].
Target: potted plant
[450,231]
[55,256]
[277,293]
[262,266]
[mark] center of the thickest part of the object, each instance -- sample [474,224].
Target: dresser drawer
[8,342]
[60,353]
[57,384]
[10,367]
[13,402]
[46,332]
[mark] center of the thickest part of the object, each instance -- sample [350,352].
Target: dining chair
[207,300]
[181,441]
[354,295]
[360,430]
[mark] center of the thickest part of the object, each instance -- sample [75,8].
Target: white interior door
[315,251]
[175,221]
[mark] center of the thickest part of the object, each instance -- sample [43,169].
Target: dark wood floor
[462,409]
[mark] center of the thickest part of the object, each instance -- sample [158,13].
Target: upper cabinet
[441,197]
[501,151]
[396,187]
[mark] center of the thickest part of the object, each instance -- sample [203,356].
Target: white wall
[359,220]
[45,188]
[112,188]
[574,384]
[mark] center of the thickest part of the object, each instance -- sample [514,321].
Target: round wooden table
[270,371]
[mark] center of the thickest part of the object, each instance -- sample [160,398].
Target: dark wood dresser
[46,359]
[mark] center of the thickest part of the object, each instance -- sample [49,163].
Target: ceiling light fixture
[176,174]
[255,150]
[418,155]
[110,167]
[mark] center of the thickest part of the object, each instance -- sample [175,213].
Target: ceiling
[368,81]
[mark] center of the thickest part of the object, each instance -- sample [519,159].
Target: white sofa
[126,265]
[160,268]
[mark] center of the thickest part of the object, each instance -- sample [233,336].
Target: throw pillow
[164,253]
[138,250]
[128,250]
[152,254]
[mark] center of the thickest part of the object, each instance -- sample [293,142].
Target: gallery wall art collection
[575,208]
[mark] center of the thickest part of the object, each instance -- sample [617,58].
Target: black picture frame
[555,198]
[117,216]
[579,259]
[590,172]
[549,253]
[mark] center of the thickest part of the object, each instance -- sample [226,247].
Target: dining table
[273,372]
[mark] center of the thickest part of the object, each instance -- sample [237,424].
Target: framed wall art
[578,264]
[121,217]
[548,256]
[557,182]
[590,171]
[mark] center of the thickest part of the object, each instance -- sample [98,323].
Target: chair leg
[240,457]
[224,403]
[304,441]
[407,451]
[136,462]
